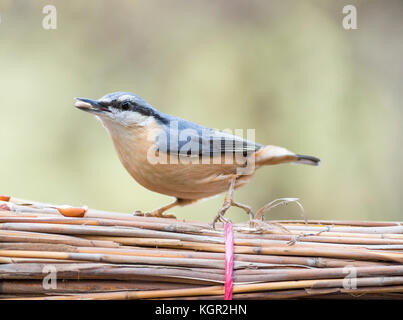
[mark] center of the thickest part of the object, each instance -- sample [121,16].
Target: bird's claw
[220,217]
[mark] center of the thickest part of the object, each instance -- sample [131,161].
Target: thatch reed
[102,255]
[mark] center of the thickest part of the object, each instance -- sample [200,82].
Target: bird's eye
[125,105]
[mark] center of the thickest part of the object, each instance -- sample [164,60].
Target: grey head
[124,107]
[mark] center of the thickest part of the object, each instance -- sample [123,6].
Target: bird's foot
[155,213]
[226,206]
[219,218]
[221,212]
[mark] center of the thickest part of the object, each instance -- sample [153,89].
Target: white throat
[125,119]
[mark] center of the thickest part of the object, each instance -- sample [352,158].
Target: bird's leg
[159,212]
[226,205]
[228,202]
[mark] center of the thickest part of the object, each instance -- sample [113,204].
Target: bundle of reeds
[53,252]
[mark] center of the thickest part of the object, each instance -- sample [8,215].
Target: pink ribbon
[229,260]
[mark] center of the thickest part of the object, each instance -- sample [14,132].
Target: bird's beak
[89,105]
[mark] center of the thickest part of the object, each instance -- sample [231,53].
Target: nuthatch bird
[180,158]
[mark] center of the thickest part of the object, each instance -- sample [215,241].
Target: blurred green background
[286,68]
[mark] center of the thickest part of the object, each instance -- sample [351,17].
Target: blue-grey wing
[186,138]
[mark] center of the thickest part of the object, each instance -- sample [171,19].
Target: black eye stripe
[131,105]
[144,111]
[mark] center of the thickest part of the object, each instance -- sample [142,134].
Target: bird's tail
[270,155]
[312,161]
